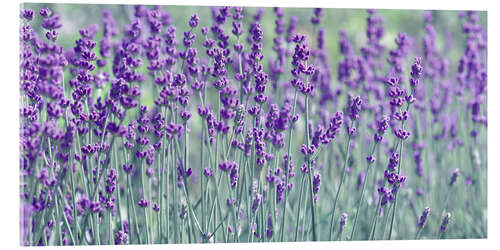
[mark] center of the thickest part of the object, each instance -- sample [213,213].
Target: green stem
[129,185]
[344,172]
[375,219]
[299,207]
[289,158]
[310,170]
[360,201]
[397,191]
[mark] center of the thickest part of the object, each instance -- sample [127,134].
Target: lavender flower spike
[343,221]
[423,218]
[444,224]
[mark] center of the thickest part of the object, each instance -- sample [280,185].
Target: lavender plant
[153,126]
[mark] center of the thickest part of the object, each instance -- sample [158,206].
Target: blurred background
[353,21]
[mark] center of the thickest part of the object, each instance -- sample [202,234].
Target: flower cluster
[300,67]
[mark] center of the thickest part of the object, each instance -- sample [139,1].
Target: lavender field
[186,124]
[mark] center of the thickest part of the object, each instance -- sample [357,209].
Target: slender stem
[167,193]
[146,217]
[110,230]
[304,213]
[191,214]
[386,218]
[446,201]
[375,219]
[417,235]
[202,194]
[360,201]
[344,172]
[132,204]
[160,200]
[289,158]
[66,222]
[299,207]
[310,170]
[396,195]
[440,234]
[175,200]
[58,225]
[73,199]
[399,167]
[118,196]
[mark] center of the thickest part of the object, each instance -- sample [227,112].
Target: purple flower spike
[343,221]
[445,222]
[256,202]
[454,176]
[423,218]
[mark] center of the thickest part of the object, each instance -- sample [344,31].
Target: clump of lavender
[163,129]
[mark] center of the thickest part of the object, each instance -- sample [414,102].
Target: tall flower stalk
[353,107]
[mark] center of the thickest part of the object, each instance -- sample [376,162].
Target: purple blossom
[423,218]
[445,222]
[343,221]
